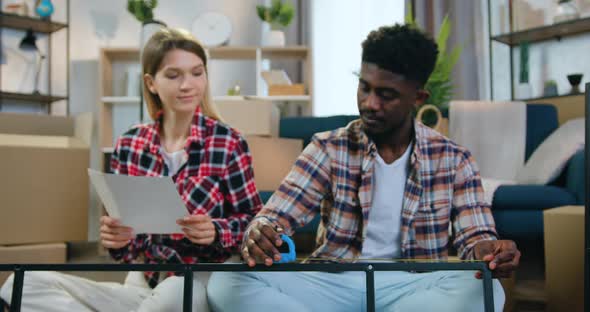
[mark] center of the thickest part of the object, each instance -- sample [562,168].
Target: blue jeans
[319,291]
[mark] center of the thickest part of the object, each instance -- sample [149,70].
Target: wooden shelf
[297,52]
[29,97]
[14,21]
[555,31]
[249,52]
[548,98]
[230,53]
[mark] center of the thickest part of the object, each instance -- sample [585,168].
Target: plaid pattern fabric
[333,177]
[217,179]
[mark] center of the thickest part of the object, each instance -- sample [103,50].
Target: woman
[211,166]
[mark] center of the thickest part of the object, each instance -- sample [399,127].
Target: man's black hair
[403,50]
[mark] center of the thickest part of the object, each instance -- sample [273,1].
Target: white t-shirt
[173,160]
[383,229]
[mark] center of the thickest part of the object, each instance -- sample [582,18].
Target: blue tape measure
[287,250]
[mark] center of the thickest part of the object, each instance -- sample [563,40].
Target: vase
[274,38]
[149,28]
[44,9]
[575,80]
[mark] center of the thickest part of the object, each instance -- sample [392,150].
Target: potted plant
[439,84]
[143,10]
[279,15]
[550,88]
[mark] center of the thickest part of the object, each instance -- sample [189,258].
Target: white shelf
[120,99]
[276,98]
[281,98]
[107,150]
[228,98]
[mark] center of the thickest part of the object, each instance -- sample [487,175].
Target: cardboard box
[38,254]
[272,159]
[250,117]
[44,183]
[564,258]
[293,89]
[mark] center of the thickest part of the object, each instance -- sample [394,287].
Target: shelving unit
[110,56]
[47,27]
[513,39]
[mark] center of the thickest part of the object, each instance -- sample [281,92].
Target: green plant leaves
[279,14]
[439,83]
[142,9]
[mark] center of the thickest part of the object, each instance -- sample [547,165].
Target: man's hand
[199,229]
[502,255]
[113,234]
[260,242]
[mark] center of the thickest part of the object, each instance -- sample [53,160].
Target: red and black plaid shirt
[217,180]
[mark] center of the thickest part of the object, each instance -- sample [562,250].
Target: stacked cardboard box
[564,258]
[43,185]
[258,121]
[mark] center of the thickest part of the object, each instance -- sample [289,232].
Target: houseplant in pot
[143,10]
[279,15]
[439,84]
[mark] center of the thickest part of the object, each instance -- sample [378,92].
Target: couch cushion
[305,127]
[531,197]
[541,120]
[519,224]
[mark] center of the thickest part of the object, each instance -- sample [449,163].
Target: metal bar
[370,282]
[490,42]
[240,267]
[488,291]
[19,270]
[17,289]
[187,305]
[68,58]
[587,205]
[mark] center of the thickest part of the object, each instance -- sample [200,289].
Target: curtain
[469,21]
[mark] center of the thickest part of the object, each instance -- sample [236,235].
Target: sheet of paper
[147,204]
[276,77]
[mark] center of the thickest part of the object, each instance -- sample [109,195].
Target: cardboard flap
[41,141]
[31,124]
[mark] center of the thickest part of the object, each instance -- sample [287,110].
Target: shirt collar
[197,131]
[420,135]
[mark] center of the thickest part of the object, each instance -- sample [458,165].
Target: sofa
[517,209]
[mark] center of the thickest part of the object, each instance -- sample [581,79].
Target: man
[386,186]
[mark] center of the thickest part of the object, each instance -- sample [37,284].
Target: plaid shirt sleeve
[299,196]
[130,252]
[473,220]
[242,197]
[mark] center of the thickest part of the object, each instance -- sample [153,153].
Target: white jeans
[441,291]
[53,291]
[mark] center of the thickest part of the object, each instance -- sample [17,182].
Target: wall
[337,31]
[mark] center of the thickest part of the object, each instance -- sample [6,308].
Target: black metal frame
[368,268]
[587,205]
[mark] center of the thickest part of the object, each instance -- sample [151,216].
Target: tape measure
[287,250]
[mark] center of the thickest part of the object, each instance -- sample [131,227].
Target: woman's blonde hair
[155,49]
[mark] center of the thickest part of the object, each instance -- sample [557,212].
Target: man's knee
[470,291]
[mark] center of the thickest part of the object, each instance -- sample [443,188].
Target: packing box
[272,159]
[44,181]
[250,117]
[564,258]
[293,89]
[37,254]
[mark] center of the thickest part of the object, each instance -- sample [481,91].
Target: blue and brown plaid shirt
[333,177]
[217,179]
